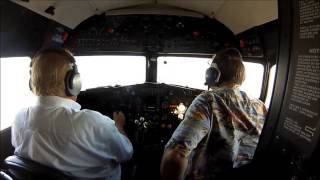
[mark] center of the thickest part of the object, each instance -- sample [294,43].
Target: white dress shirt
[81,143]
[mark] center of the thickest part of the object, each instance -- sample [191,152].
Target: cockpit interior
[147,58]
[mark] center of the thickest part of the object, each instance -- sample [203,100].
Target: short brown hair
[231,66]
[48,71]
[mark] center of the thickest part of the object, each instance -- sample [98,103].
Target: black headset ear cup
[72,82]
[212,75]
[30,85]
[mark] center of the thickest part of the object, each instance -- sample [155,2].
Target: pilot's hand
[119,118]
[120,121]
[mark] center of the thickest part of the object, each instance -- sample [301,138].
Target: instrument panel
[153,110]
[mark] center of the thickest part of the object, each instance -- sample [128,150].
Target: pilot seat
[23,169]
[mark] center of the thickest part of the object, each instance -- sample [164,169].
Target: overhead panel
[151,33]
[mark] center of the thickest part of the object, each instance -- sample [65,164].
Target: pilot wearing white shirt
[56,133]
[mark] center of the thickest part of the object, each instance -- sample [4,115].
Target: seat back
[6,149]
[21,168]
[4,176]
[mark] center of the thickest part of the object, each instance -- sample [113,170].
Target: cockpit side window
[15,92]
[254,78]
[270,85]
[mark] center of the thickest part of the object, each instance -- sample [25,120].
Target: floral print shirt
[220,130]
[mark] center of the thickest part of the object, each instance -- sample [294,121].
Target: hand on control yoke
[120,121]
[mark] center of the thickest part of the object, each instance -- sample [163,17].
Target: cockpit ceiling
[237,15]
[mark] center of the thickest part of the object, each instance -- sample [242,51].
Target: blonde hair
[48,71]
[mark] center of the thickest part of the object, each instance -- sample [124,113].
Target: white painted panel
[207,7]
[240,15]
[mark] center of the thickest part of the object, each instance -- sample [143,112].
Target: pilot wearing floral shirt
[221,128]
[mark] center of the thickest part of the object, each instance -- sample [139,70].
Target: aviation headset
[213,73]
[72,79]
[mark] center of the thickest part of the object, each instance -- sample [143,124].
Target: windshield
[190,72]
[184,71]
[98,71]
